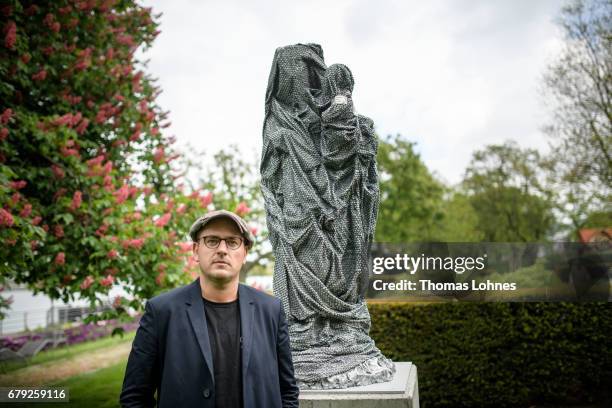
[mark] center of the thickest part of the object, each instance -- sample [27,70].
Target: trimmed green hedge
[501,354]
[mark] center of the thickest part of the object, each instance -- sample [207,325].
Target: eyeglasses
[213,242]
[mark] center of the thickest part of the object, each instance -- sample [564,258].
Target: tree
[579,85]
[460,222]
[85,170]
[505,187]
[410,196]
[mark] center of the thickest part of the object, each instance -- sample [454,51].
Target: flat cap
[206,218]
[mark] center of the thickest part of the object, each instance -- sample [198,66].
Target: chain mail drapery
[320,186]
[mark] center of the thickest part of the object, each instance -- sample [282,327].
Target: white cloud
[451,75]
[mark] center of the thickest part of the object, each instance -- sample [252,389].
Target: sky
[452,76]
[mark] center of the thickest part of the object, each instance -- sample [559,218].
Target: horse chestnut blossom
[242,209]
[87,282]
[26,211]
[163,220]
[112,254]
[76,200]
[206,199]
[11,35]
[6,218]
[60,258]
[122,194]
[108,281]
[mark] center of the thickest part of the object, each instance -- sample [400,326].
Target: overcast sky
[451,75]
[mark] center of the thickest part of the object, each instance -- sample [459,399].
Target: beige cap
[203,220]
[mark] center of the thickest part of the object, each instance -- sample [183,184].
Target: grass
[67,352]
[96,389]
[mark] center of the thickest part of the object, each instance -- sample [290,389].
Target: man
[215,342]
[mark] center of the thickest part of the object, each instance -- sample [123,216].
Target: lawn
[96,389]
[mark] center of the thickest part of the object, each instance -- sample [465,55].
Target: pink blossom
[122,194]
[3,134]
[57,171]
[242,209]
[58,231]
[6,219]
[40,75]
[18,185]
[80,129]
[254,230]
[133,243]
[206,199]
[101,231]
[108,183]
[161,267]
[108,281]
[87,282]
[60,258]
[76,200]
[163,220]
[185,246]
[15,198]
[6,116]
[26,211]
[158,156]
[63,120]
[66,152]
[112,254]
[181,209]
[108,167]
[96,161]
[125,39]
[11,35]
[36,220]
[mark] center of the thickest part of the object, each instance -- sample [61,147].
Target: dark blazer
[171,353]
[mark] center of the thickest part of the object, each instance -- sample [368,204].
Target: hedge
[501,354]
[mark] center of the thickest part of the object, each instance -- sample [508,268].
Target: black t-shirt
[223,321]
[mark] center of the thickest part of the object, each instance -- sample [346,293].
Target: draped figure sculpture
[319,182]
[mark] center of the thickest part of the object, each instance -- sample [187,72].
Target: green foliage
[410,196]
[504,188]
[501,354]
[460,220]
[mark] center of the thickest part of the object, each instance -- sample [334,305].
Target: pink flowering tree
[82,151]
[91,194]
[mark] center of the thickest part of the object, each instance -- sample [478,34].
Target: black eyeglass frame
[203,239]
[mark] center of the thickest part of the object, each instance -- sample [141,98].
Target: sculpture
[319,182]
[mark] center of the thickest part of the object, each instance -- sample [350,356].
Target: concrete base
[401,392]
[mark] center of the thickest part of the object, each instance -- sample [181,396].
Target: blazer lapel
[197,318]
[247,308]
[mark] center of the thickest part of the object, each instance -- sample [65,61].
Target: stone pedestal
[401,392]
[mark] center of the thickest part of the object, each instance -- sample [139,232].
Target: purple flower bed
[73,335]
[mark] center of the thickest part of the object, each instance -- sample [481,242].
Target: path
[52,371]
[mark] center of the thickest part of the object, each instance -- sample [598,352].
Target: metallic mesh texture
[320,185]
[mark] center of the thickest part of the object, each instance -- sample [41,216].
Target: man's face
[221,264]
